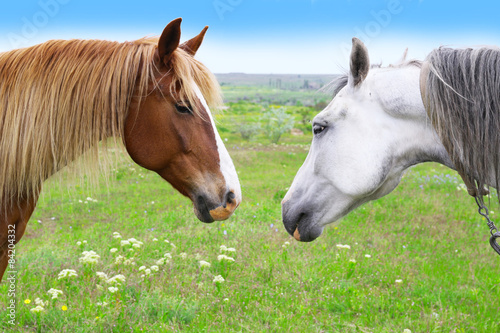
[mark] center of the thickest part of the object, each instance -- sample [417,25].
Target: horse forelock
[60,98]
[186,70]
[461,97]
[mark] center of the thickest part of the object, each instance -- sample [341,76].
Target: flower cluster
[117,280]
[112,289]
[224,257]
[89,199]
[204,263]
[37,309]
[132,241]
[122,260]
[89,257]
[54,293]
[224,248]
[66,273]
[218,279]
[340,246]
[40,305]
[147,271]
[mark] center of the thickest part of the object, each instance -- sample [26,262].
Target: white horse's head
[374,128]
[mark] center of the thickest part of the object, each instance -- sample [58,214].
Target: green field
[419,259]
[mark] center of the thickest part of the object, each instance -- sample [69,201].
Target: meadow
[130,256]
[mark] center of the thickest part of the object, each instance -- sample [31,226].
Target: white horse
[374,129]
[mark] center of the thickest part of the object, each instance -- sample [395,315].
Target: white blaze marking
[226,163]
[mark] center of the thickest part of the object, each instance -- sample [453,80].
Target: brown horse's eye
[183,108]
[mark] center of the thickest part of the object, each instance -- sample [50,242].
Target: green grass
[427,234]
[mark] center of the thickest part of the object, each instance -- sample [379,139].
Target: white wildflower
[399,281]
[54,293]
[218,279]
[102,275]
[147,271]
[66,273]
[113,250]
[340,246]
[406,330]
[89,257]
[352,260]
[367,256]
[39,301]
[204,263]
[168,255]
[155,268]
[124,242]
[135,242]
[160,261]
[117,235]
[142,268]
[224,257]
[113,290]
[101,303]
[231,249]
[37,309]
[223,248]
[155,239]
[183,255]
[119,259]
[116,280]
[78,243]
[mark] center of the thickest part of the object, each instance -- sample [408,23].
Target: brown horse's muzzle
[208,210]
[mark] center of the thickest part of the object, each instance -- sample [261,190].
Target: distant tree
[248,130]
[276,122]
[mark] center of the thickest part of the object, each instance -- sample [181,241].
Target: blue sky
[264,36]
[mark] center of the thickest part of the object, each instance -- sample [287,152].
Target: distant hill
[276,81]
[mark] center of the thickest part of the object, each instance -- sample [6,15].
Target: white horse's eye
[318,129]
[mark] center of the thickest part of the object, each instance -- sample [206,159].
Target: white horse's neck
[418,141]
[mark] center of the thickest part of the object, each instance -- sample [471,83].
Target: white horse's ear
[403,58]
[360,62]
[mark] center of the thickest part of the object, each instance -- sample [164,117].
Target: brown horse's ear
[169,40]
[360,62]
[192,45]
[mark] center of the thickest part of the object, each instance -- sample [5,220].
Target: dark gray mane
[461,95]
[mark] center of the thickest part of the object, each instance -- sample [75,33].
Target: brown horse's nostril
[230,196]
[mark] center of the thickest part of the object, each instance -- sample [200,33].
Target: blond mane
[59,99]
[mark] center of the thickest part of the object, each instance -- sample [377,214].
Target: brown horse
[59,99]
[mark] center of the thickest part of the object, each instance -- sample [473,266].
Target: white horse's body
[372,131]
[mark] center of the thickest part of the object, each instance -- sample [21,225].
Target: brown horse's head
[171,130]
